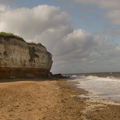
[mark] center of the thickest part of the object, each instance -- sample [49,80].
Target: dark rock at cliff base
[11,77]
[30,76]
[59,76]
[49,75]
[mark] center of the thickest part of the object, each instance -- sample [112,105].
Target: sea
[97,86]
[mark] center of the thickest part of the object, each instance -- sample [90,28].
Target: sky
[82,35]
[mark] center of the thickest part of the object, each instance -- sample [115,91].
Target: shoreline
[40,99]
[96,109]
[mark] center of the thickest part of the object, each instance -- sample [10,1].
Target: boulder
[60,76]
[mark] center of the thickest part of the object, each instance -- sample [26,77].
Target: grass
[33,43]
[10,35]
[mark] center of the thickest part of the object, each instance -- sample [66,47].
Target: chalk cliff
[19,58]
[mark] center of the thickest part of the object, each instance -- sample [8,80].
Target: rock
[60,76]
[30,76]
[49,75]
[11,77]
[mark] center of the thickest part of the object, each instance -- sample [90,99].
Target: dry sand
[50,100]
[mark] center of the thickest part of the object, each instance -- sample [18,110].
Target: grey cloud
[80,42]
[80,47]
[113,16]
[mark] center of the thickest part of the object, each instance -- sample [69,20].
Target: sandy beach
[50,100]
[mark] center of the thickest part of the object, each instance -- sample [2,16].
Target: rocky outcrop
[18,58]
[57,76]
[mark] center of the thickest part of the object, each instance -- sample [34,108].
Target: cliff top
[10,35]
[33,43]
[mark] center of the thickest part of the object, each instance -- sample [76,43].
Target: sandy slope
[49,100]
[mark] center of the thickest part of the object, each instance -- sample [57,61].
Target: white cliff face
[17,53]
[40,57]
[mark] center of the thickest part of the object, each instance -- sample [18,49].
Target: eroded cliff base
[7,72]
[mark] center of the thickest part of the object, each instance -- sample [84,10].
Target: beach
[42,99]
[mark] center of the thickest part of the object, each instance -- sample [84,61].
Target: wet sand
[50,100]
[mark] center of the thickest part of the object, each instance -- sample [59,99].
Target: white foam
[73,75]
[100,87]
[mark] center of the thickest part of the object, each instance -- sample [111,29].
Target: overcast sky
[82,35]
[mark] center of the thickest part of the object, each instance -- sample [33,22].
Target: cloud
[80,48]
[111,9]
[104,4]
[80,43]
[45,24]
[73,50]
[113,16]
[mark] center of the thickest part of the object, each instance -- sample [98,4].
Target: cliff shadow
[25,79]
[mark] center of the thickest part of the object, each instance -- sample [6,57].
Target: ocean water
[99,88]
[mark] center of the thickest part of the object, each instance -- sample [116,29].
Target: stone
[60,76]
[49,75]
[30,76]
[12,77]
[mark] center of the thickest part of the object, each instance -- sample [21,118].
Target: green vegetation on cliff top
[10,35]
[33,43]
